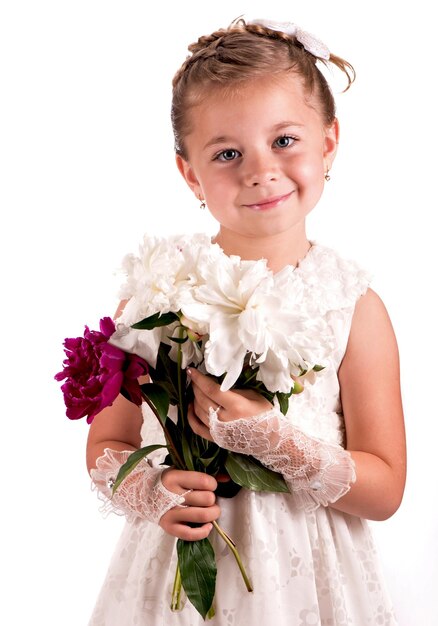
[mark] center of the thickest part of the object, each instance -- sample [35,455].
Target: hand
[232,405]
[201,507]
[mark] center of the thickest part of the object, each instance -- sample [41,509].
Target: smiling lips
[269,203]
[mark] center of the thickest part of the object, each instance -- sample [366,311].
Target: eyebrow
[224,139]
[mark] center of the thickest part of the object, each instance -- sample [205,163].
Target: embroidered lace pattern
[315,471]
[141,494]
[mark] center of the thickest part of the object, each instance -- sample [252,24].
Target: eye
[227,155]
[285,141]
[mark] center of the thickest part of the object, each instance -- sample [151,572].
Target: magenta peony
[96,372]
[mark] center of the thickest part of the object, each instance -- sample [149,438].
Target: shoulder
[371,320]
[372,342]
[370,306]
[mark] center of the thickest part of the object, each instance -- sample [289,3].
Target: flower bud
[194,330]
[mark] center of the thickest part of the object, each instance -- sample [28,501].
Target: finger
[180,481]
[203,414]
[200,498]
[198,427]
[195,514]
[187,533]
[230,405]
[223,477]
[203,402]
[171,523]
[208,386]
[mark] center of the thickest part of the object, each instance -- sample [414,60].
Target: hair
[228,58]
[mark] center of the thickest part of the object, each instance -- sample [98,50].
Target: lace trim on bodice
[330,282]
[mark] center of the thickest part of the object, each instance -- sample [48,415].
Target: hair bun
[206,41]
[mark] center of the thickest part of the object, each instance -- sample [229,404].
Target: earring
[327,175]
[202,205]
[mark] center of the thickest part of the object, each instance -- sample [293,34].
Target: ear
[188,173]
[331,141]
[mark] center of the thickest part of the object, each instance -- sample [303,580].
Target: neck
[279,250]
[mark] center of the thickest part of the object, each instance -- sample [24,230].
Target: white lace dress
[317,568]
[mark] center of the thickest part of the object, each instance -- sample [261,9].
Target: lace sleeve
[316,472]
[141,495]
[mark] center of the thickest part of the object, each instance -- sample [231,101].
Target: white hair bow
[308,41]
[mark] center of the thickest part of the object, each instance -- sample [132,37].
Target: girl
[256,136]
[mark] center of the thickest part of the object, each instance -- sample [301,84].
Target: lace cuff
[141,495]
[316,472]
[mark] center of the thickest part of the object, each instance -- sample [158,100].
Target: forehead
[263,100]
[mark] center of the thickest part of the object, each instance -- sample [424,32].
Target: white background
[87,167]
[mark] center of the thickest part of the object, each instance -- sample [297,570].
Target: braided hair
[227,58]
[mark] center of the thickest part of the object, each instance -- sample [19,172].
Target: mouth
[269,203]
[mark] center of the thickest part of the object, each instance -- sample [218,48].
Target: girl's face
[258,158]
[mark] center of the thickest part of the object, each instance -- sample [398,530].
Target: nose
[260,169]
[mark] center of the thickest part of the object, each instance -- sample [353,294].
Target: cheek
[309,177]
[310,170]
[218,186]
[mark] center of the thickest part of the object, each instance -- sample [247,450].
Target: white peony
[162,276]
[235,308]
[191,353]
[246,313]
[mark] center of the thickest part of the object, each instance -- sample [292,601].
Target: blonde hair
[229,57]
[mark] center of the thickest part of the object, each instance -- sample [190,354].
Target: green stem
[180,396]
[251,377]
[186,444]
[230,543]
[173,451]
[175,604]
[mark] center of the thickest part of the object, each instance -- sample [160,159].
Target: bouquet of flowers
[189,304]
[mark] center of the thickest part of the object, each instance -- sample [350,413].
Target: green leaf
[212,459]
[178,339]
[133,460]
[153,321]
[197,565]
[207,461]
[158,397]
[174,434]
[283,401]
[165,373]
[187,453]
[248,472]
[318,368]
